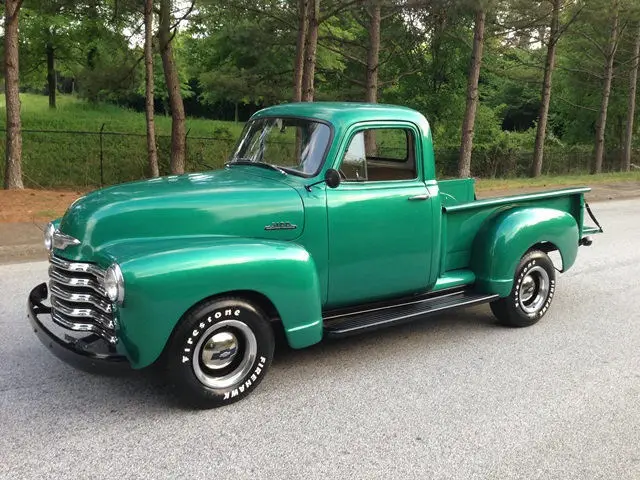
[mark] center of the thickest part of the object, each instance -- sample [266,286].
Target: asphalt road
[450,397]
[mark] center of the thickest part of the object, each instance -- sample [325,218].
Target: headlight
[48,236]
[113,284]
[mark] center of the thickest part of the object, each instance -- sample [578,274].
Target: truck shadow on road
[424,332]
[127,393]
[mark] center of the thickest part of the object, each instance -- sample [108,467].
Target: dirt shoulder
[23,214]
[599,191]
[34,205]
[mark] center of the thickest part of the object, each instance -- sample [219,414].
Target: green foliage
[47,25]
[239,56]
[160,85]
[579,77]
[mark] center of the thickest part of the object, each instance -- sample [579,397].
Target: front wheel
[532,292]
[220,352]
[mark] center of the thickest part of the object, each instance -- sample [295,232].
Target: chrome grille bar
[61,293]
[77,267]
[63,279]
[78,301]
[83,327]
[81,313]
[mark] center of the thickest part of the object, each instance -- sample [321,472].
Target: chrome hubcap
[224,354]
[528,288]
[220,350]
[534,290]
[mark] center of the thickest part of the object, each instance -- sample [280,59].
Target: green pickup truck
[326,221]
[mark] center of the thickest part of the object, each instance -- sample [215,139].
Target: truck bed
[463,215]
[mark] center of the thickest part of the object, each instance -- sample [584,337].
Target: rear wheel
[533,288]
[220,352]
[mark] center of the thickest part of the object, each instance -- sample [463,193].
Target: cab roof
[344,113]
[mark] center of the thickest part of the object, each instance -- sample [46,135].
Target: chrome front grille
[78,301]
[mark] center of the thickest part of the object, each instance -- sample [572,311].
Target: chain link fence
[517,163]
[86,159]
[68,158]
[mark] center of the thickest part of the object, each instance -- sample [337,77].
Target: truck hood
[227,202]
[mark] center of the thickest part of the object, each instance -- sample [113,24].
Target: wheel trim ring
[248,340]
[533,303]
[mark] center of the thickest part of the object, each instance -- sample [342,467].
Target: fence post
[186,148]
[101,158]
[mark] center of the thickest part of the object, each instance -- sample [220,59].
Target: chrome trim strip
[77,267]
[81,313]
[75,282]
[62,240]
[83,327]
[63,294]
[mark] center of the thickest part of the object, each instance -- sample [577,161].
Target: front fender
[162,285]
[505,237]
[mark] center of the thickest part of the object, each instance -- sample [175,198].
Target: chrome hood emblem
[62,240]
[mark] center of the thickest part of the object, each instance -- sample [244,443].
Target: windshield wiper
[257,164]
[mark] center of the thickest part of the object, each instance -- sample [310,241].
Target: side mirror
[332,178]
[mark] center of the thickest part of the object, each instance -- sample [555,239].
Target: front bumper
[86,351]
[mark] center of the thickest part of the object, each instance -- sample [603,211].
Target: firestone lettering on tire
[523,273]
[236,391]
[225,313]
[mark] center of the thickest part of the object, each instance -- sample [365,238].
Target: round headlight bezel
[49,232]
[113,284]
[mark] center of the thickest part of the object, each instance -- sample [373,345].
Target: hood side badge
[281,226]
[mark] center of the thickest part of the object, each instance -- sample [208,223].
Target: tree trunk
[51,74]
[373,55]
[310,47]
[298,69]
[543,115]
[152,149]
[178,136]
[373,60]
[601,126]
[13,148]
[468,124]
[631,109]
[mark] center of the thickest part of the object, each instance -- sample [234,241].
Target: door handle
[424,196]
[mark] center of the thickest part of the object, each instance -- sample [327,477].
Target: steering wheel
[344,177]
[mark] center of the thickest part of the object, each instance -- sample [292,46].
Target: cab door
[379,217]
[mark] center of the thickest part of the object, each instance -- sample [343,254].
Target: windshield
[295,145]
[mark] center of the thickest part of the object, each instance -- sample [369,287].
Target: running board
[351,323]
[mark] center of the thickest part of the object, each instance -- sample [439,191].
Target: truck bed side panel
[462,222]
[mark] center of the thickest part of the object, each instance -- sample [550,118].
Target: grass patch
[66,159]
[73,113]
[556,181]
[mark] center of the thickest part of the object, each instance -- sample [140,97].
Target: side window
[380,154]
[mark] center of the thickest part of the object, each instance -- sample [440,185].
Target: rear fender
[161,287]
[505,237]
